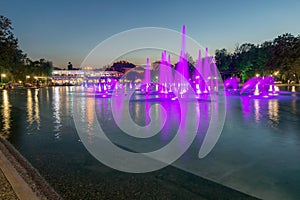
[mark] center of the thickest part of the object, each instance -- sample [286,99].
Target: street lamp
[2,76]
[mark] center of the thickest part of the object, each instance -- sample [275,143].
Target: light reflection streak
[29,107]
[67,93]
[273,109]
[256,110]
[37,110]
[33,110]
[294,106]
[245,103]
[90,112]
[6,111]
[56,112]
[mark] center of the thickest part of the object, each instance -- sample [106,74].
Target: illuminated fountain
[260,86]
[231,84]
[172,83]
[184,81]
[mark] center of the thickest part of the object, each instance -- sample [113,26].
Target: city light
[2,76]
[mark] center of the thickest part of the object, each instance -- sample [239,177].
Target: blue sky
[63,31]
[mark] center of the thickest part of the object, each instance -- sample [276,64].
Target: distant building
[77,77]
[70,66]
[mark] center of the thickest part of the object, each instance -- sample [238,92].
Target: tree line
[279,58]
[14,64]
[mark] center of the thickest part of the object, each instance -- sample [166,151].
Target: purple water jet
[260,86]
[184,81]
[231,83]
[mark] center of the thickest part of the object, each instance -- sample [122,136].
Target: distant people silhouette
[70,66]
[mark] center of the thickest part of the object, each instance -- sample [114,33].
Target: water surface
[257,153]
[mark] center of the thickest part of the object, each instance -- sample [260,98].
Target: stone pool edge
[27,172]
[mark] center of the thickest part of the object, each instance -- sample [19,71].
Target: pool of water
[257,152]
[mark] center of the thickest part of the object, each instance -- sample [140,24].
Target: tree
[12,59]
[242,59]
[223,59]
[285,55]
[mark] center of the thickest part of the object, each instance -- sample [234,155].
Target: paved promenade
[14,185]
[19,179]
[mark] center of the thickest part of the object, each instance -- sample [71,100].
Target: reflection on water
[256,110]
[248,148]
[262,109]
[273,109]
[56,112]
[6,109]
[33,111]
[90,114]
[29,107]
[246,107]
[37,110]
[294,106]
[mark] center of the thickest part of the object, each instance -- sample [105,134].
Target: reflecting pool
[257,153]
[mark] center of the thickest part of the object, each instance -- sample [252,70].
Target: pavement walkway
[12,184]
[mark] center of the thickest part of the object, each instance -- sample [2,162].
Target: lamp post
[27,77]
[2,76]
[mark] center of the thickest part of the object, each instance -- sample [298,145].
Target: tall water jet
[169,77]
[207,72]
[162,72]
[215,75]
[182,66]
[199,75]
[147,76]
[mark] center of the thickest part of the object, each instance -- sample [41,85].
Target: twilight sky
[63,31]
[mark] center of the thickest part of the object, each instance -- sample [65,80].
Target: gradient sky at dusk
[63,31]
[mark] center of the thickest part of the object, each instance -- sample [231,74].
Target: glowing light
[257,75]
[256,92]
[270,88]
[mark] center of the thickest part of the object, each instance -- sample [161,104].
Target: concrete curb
[19,166]
[21,188]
